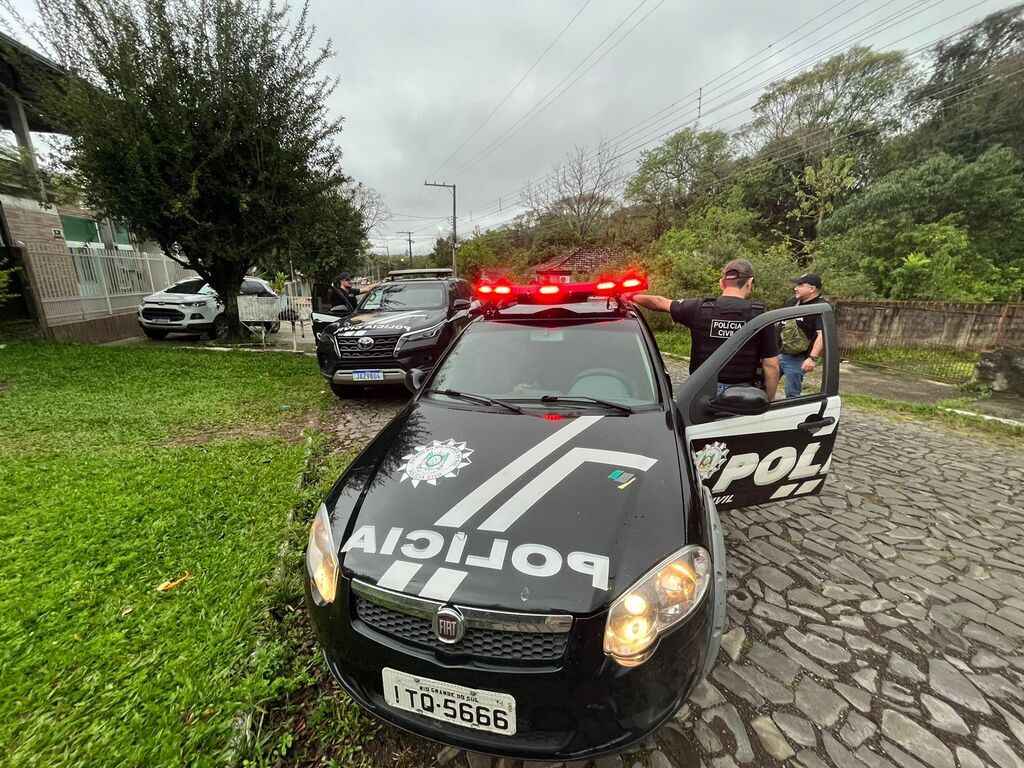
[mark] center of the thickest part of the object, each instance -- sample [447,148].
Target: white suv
[192,306]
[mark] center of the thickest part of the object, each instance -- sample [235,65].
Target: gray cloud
[418,77]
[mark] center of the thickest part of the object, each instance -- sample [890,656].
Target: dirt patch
[290,430]
[4,385]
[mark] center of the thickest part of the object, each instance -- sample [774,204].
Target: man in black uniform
[344,292]
[713,320]
[801,340]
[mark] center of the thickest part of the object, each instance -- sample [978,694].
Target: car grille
[381,354]
[481,643]
[154,313]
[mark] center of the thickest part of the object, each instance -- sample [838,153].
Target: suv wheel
[343,391]
[220,327]
[153,333]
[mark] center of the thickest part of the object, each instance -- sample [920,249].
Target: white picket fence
[76,284]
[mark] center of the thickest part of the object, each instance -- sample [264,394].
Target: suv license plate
[468,707]
[161,320]
[377,375]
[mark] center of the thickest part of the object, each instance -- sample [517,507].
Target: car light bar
[502,290]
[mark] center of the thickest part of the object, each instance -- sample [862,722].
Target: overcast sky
[418,77]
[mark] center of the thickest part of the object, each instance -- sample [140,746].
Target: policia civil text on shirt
[801,340]
[713,320]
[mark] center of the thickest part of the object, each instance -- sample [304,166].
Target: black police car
[528,560]
[406,322]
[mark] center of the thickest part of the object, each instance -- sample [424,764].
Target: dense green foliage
[891,178]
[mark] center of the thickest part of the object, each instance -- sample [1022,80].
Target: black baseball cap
[810,278]
[343,276]
[737,269]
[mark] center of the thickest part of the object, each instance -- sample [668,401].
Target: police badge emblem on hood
[512,511]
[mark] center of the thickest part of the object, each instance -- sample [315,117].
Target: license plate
[377,375]
[456,704]
[160,320]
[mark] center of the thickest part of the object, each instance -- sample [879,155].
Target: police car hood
[516,512]
[387,323]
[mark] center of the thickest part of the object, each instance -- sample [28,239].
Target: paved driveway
[879,624]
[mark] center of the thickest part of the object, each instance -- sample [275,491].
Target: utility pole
[408,234]
[455,237]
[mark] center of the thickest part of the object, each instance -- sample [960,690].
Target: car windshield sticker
[709,458]
[430,463]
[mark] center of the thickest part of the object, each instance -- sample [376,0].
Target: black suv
[403,323]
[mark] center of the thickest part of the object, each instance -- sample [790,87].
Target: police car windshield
[525,362]
[400,296]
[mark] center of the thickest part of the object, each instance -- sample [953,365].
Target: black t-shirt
[687,312]
[809,325]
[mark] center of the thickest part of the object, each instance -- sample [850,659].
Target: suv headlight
[322,558]
[661,599]
[426,333]
[195,303]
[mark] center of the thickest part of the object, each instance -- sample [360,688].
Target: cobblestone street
[879,624]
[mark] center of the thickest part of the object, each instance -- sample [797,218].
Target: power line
[516,127]
[512,90]
[956,88]
[877,27]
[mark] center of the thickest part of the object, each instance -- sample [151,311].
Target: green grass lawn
[674,342]
[121,468]
[944,364]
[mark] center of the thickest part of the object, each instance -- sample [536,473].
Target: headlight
[655,604]
[427,333]
[195,303]
[322,558]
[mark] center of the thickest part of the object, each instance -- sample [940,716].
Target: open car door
[749,451]
[328,307]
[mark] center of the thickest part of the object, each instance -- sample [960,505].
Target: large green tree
[974,96]
[200,123]
[688,167]
[964,217]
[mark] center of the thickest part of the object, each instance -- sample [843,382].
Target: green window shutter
[79,230]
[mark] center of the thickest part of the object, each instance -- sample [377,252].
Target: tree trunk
[226,279]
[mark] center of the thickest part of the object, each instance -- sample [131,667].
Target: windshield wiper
[474,398]
[585,399]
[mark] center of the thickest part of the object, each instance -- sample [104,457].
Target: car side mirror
[460,304]
[741,401]
[341,309]
[414,379]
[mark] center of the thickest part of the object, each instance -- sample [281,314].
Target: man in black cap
[344,291]
[802,340]
[713,320]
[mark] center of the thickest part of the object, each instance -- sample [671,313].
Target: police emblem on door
[449,625]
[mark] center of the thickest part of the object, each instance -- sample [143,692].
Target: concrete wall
[99,330]
[929,324]
[29,222]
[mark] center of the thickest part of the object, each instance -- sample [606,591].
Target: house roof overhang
[20,68]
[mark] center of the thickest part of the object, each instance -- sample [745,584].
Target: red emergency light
[560,292]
